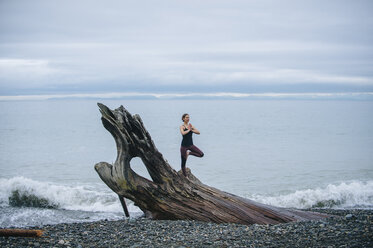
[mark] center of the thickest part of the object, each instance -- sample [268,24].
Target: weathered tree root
[170,195]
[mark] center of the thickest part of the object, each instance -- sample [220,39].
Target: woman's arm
[193,129]
[182,130]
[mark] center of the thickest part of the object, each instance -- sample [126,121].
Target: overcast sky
[64,47]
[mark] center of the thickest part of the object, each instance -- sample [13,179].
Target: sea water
[288,153]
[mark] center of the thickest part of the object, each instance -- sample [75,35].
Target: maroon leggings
[195,151]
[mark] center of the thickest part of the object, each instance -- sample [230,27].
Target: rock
[349,216]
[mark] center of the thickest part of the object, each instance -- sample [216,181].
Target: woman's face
[186,118]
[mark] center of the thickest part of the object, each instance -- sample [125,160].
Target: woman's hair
[182,118]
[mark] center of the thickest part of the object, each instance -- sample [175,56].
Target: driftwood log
[170,195]
[20,233]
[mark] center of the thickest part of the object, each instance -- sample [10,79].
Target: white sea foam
[355,194]
[81,198]
[83,203]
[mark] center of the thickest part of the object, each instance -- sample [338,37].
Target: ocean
[290,153]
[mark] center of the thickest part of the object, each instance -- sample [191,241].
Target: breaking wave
[24,192]
[26,202]
[355,194]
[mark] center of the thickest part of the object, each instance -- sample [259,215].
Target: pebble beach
[346,228]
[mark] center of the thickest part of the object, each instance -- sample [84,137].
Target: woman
[187,148]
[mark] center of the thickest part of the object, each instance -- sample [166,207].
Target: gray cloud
[105,46]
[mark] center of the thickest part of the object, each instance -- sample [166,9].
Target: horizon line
[210,95]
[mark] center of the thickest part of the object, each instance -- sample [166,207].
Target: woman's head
[185,117]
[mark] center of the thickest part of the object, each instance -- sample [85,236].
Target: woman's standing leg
[183,151]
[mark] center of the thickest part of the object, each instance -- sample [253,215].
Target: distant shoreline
[350,228]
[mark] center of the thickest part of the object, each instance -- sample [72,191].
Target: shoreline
[347,228]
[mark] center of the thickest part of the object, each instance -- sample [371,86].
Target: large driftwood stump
[170,195]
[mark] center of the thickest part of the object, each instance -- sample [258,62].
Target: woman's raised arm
[182,130]
[194,130]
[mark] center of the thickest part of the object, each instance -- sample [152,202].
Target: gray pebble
[349,216]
